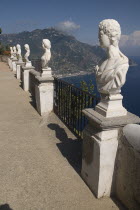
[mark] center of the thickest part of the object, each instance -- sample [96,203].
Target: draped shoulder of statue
[111,74]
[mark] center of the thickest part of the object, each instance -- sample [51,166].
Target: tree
[2,48]
[7,48]
[0,33]
[88,87]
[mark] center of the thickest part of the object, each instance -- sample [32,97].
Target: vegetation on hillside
[68,54]
[4,49]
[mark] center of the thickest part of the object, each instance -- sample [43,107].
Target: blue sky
[80,17]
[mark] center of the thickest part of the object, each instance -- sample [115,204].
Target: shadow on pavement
[70,148]
[21,85]
[118,203]
[5,207]
[33,102]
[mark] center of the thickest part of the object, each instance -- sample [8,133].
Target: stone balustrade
[111,144]
[127,167]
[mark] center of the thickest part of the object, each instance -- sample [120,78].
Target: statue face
[104,40]
[43,45]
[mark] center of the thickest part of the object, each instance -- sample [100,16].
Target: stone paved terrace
[39,157]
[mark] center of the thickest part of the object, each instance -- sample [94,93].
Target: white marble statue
[11,50]
[19,52]
[46,44]
[14,52]
[111,74]
[26,56]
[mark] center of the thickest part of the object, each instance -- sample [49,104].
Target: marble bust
[27,54]
[14,52]
[19,52]
[11,49]
[46,44]
[14,49]
[111,74]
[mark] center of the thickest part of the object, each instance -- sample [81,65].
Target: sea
[130,90]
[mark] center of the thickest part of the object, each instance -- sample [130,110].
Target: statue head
[109,33]
[46,44]
[27,47]
[18,46]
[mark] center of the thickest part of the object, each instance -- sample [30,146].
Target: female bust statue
[11,49]
[19,52]
[27,54]
[111,74]
[46,44]
[14,52]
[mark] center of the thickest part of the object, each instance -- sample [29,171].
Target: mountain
[68,54]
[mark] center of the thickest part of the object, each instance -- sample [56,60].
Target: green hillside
[68,54]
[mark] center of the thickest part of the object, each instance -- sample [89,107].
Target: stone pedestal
[20,59]
[44,94]
[25,76]
[14,66]
[100,143]
[18,70]
[46,72]
[10,62]
[111,106]
[28,64]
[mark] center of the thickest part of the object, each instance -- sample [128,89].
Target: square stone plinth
[25,76]
[14,65]
[103,123]
[100,144]
[18,70]
[44,94]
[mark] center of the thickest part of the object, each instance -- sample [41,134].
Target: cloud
[131,40]
[67,26]
[124,39]
[131,43]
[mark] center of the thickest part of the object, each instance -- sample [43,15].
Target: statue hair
[47,43]
[18,46]
[111,28]
[26,46]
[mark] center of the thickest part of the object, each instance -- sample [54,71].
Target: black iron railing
[69,101]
